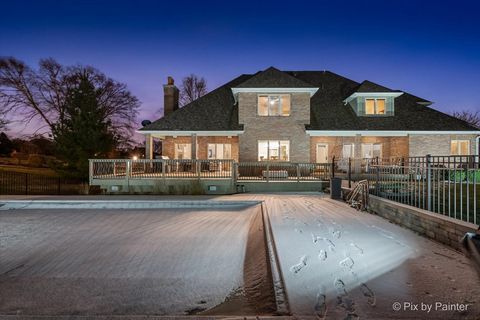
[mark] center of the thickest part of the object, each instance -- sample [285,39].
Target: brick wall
[439,144]
[290,128]
[391,146]
[168,145]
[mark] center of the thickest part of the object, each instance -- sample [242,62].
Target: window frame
[280,107]
[458,151]
[216,151]
[375,108]
[187,148]
[280,143]
[373,149]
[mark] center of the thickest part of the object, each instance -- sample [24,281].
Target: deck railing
[282,171]
[160,169]
[206,169]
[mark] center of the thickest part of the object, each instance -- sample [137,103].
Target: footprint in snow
[331,245]
[321,305]
[359,250]
[347,263]
[296,268]
[322,255]
[344,301]
[336,233]
[298,230]
[367,292]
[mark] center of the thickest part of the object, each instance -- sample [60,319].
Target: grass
[21,169]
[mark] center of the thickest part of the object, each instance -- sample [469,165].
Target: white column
[148,146]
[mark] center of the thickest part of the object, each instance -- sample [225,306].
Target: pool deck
[335,262]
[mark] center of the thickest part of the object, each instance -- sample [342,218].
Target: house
[305,117]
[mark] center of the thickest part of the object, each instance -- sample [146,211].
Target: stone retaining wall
[440,228]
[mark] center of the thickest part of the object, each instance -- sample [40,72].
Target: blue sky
[431,49]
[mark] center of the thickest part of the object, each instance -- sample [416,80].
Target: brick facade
[290,128]
[168,145]
[421,145]
[391,146]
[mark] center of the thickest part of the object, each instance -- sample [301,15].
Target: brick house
[305,116]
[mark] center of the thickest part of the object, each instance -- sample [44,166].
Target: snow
[341,263]
[174,261]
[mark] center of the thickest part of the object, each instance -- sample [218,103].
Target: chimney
[170,97]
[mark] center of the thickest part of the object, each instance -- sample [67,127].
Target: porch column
[194,146]
[357,164]
[148,146]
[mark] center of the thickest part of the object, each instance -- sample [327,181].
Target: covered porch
[182,145]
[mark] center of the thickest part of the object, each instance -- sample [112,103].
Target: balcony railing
[106,169]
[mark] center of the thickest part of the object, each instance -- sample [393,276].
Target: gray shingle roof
[274,78]
[368,86]
[217,110]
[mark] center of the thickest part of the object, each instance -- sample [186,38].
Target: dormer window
[375,106]
[274,105]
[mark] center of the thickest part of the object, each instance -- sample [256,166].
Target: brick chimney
[170,97]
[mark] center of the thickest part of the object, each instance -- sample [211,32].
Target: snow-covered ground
[168,261]
[341,263]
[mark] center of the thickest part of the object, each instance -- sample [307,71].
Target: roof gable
[274,78]
[368,86]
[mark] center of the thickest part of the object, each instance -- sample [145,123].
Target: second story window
[375,106]
[274,105]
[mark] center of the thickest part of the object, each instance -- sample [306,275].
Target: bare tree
[192,88]
[41,94]
[471,117]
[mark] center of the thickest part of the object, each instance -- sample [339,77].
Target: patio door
[322,153]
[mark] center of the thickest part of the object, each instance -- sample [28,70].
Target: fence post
[377,179]
[127,173]
[90,171]
[349,172]
[298,172]
[428,159]
[332,174]
[26,183]
[268,171]
[197,167]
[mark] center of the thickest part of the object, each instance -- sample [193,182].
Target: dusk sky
[430,49]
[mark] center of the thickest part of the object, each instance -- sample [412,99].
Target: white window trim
[458,147]
[280,97]
[268,149]
[372,144]
[216,151]
[375,106]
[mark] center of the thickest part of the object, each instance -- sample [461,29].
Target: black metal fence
[450,191]
[17,183]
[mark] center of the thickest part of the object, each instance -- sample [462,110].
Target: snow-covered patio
[336,262]
[340,263]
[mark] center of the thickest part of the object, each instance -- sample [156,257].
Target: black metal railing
[18,183]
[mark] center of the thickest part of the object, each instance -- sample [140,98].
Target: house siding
[290,128]
[439,144]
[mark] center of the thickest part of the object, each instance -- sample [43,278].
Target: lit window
[371,150]
[375,106]
[460,147]
[219,151]
[274,105]
[274,150]
[348,151]
[183,151]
